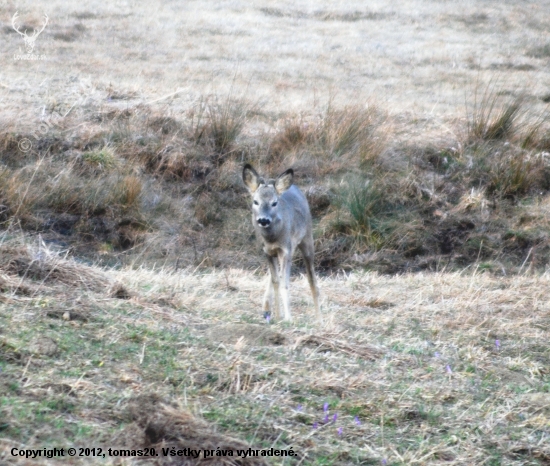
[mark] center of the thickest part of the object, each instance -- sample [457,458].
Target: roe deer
[281,217]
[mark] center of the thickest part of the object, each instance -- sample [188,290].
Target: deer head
[29,40]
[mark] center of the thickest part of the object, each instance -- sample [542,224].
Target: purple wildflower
[340,431]
[325,407]
[315,425]
[437,355]
[357,421]
[497,344]
[335,417]
[448,369]
[299,408]
[325,420]
[384,461]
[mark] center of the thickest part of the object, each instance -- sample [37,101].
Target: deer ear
[284,181]
[251,179]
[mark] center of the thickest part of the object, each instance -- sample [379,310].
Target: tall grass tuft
[17,190]
[351,131]
[215,124]
[293,136]
[381,213]
[504,171]
[493,116]
[339,139]
[226,120]
[515,174]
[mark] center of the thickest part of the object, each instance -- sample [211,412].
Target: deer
[29,41]
[282,220]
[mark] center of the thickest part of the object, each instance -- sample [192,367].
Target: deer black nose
[264,222]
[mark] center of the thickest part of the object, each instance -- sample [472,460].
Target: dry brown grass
[43,265]
[336,140]
[155,188]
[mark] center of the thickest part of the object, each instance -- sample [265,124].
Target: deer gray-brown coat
[281,218]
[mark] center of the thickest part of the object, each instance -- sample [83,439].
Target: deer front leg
[272,291]
[285,259]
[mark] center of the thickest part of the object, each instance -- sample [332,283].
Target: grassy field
[438,368]
[130,278]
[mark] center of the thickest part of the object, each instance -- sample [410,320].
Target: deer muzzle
[264,222]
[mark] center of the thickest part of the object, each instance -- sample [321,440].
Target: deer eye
[274,204]
[256,203]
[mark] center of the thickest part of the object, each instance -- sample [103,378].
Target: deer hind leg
[271,297]
[308,252]
[285,259]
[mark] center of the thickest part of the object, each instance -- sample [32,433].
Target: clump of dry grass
[158,424]
[351,131]
[492,119]
[12,198]
[9,148]
[67,194]
[226,120]
[503,145]
[291,137]
[82,183]
[39,263]
[10,284]
[188,148]
[338,139]
[505,171]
